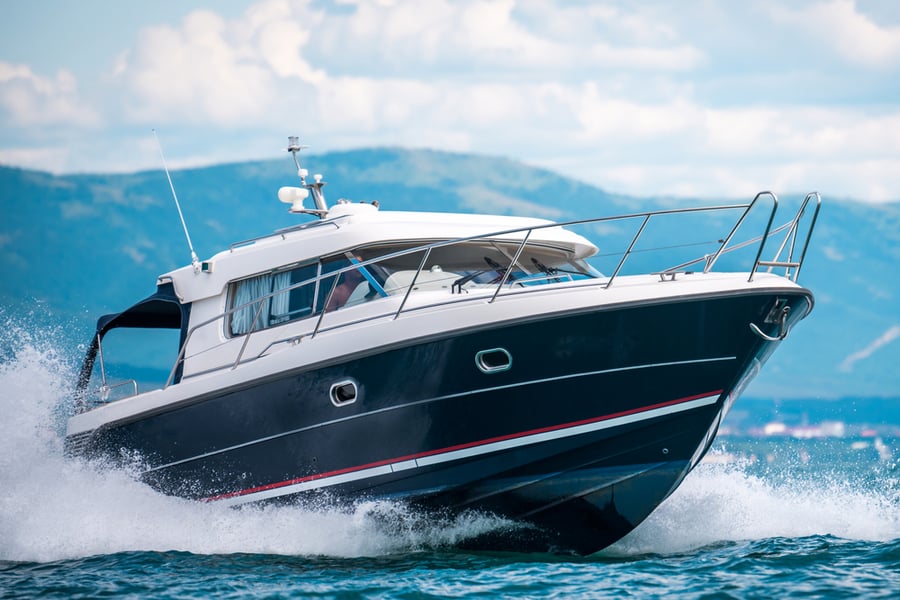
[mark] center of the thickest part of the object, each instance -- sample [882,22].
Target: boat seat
[434,278]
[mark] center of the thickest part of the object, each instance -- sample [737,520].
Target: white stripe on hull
[464,453]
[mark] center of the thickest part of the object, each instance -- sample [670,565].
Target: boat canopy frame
[161,310]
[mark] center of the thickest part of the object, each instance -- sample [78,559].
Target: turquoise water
[777,567]
[771,518]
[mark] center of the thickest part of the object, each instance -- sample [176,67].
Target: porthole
[495,360]
[343,393]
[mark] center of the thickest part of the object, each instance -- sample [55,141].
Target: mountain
[81,245]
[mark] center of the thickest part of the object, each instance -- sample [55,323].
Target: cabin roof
[349,226]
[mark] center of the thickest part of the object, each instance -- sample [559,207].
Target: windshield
[464,265]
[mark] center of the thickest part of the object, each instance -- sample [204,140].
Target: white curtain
[281,301]
[247,291]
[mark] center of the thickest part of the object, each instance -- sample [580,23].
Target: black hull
[599,417]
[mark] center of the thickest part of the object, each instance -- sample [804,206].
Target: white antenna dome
[293,196]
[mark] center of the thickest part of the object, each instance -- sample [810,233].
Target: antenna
[294,147]
[195,262]
[321,209]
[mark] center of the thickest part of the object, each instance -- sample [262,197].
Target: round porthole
[495,360]
[343,393]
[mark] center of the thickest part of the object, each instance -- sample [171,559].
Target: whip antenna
[195,262]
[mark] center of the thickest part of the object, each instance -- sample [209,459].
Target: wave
[56,508]
[728,503]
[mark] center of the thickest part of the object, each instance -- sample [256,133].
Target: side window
[274,298]
[269,299]
[352,287]
[300,299]
[251,307]
[327,282]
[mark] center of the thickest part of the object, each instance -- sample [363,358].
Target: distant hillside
[99,241]
[82,245]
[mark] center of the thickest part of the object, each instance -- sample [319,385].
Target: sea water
[775,519]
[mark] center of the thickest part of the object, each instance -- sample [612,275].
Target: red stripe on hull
[511,436]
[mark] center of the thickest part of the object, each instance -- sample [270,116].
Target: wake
[727,503]
[55,508]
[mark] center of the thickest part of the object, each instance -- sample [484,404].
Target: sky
[696,98]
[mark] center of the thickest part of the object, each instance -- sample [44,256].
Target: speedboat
[451,362]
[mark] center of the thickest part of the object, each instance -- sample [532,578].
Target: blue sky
[692,98]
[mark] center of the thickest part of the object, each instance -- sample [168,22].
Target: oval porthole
[343,393]
[495,360]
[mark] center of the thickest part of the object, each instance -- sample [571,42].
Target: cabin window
[295,293]
[270,299]
[302,291]
[250,315]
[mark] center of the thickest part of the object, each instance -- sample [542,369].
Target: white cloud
[885,338]
[605,118]
[478,38]
[832,253]
[804,131]
[136,255]
[77,210]
[281,36]
[213,70]
[205,70]
[33,158]
[621,95]
[841,25]
[414,37]
[489,27]
[256,70]
[598,35]
[711,176]
[220,71]
[676,58]
[29,99]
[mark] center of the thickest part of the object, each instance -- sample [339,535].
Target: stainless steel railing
[792,266]
[796,236]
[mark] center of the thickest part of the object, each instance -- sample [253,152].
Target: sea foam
[54,508]
[729,503]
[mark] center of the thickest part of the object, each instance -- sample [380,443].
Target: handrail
[105,390]
[525,233]
[707,257]
[326,303]
[412,283]
[740,222]
[812,226]
[508,270]
[256,316]
[282,233]
[791,236]
[630,248]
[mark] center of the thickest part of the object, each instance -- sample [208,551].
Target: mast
[315,189]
